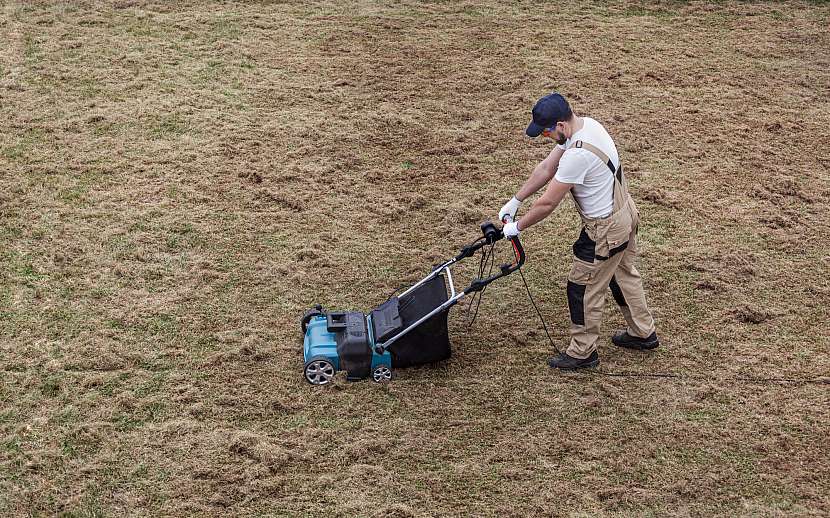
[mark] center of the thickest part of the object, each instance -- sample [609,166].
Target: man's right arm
[542,174]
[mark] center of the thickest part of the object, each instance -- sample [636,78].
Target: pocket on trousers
[582,272]
[618,239]
[616,235]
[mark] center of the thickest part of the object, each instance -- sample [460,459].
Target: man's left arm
[546,203]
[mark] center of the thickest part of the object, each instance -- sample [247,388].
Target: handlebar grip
[520,252]
[517,247]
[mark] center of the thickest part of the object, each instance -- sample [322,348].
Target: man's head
[550,114]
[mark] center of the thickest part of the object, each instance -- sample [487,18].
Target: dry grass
[178,184]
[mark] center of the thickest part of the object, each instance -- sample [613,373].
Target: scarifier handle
[490,234]
[517,248]
[505,269]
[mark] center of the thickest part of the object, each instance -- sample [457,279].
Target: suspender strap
[598,152]
[621,194]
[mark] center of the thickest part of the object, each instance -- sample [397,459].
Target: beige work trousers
[589,281]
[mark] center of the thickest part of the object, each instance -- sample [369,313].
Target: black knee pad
[576,303]
[616,291]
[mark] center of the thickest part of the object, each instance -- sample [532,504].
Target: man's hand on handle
[511,229]
[510,209]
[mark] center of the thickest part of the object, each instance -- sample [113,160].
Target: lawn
[179,182]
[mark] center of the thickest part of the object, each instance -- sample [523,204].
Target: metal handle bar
[477,285]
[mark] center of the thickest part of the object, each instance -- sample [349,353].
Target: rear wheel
[311,313]
[319,371]
[382,374]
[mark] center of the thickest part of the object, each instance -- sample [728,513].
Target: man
[585,163]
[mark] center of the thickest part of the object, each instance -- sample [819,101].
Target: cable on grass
[671,375]
[489,255]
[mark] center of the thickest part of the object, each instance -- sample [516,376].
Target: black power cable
[489,255]
[669,375]
[544,325]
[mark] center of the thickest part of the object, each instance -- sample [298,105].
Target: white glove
[510,209]
[511,229]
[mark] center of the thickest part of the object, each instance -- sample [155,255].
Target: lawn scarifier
[408,329]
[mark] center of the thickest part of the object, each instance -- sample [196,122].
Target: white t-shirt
[593,180]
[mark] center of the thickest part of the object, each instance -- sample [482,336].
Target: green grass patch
[168,126]
[31,50]
[162,324]
[51,387]
[27,143]
[152,386]
[127,422]
[8,416]
[155,411]
[63,322]
[112,386]
[210,73]
[12,445]
[21,268]
[182,237]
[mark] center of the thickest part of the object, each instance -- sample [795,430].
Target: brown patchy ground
[180,183]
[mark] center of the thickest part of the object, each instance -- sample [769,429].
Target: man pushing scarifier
[585,163]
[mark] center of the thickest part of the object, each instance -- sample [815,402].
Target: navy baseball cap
[548,110]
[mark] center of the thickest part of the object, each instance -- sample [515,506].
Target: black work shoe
[623,339]
[569,363]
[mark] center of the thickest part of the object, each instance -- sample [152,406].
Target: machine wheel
[311,313]
[319,371]
[382,374]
